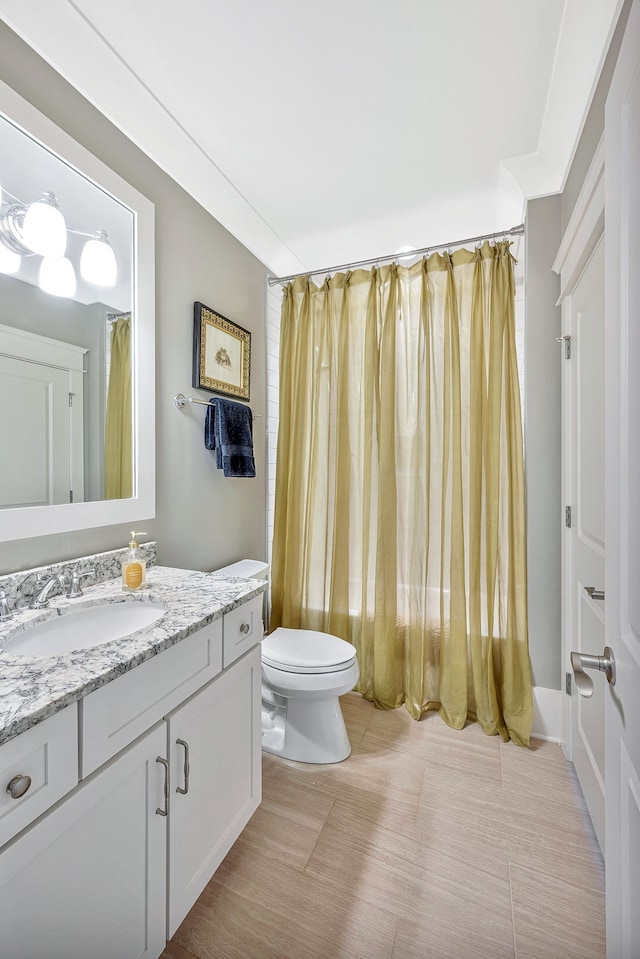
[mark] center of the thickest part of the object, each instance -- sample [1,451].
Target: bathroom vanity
[144,762]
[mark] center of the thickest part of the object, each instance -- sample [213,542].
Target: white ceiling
[319,133]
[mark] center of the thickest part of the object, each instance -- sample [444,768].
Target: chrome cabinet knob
[18,786]
[245,628]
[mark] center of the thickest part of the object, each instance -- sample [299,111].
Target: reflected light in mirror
[98,263]
[57,276]
[44,230]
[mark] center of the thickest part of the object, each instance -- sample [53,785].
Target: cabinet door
[220,730]
[89,877]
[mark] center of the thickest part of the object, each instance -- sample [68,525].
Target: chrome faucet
[5,611]
[41,599]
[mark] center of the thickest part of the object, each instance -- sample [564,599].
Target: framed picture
[221,354]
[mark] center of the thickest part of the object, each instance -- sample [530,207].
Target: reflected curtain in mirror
[399,515]
[118,433]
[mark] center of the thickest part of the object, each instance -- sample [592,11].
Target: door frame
[581,237]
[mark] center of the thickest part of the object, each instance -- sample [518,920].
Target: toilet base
[304,730]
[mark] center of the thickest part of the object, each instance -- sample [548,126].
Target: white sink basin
[83,628]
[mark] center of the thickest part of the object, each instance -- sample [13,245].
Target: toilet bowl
[304,672]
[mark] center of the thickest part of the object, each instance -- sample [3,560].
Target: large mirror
[76,334]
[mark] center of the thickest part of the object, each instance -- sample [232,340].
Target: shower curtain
[118,468]
[399,515]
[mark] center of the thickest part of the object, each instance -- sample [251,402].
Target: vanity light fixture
[98,262]
[37,227]
[40,228]
[57,276]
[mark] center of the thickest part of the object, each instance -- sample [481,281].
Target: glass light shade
[9,261]
[57,276]
[98,262]
[44,230]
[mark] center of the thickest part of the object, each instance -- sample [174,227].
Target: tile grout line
[395,936]
[326,819]
[513,918]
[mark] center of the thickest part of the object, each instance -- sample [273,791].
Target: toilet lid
[306,651]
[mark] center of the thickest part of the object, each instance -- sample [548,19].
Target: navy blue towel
[228,429]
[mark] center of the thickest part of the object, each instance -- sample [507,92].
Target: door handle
[605,663]
[595,593]
[179,789]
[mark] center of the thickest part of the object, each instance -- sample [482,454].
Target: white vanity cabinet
[170,773]
[216,778]
[89,878]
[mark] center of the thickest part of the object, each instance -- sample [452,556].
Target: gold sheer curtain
[118,469]
[399,516]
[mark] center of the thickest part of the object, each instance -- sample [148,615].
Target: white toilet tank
[247,568]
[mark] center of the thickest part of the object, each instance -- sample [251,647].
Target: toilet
[304,672]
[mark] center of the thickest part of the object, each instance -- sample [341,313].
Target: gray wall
[542,429]
[203,520]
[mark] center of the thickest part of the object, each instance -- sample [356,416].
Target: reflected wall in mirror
[65,357]
[76,334]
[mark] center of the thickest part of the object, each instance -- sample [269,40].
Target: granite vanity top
[32,689]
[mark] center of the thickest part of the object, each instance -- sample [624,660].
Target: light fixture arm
[11,228]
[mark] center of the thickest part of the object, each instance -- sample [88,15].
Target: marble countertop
[32,689]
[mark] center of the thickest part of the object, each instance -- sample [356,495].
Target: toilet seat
[306,651]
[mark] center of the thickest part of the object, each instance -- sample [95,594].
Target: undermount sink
[78,629]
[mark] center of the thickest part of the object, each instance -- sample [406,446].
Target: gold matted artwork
[221,354]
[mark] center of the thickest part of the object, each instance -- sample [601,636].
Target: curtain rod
[410,254]
[118,316]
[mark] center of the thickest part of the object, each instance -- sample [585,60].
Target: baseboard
[547,714]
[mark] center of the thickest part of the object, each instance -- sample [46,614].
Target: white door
[41,429]
[622,483]
[583,313]
[216,783]
[89,878]
[35,433]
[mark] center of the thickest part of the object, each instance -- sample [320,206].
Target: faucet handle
[74,587]
[5,612]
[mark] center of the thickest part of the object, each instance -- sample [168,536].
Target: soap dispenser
[134,566]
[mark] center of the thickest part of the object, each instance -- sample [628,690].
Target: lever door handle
[605,663]
[595,593]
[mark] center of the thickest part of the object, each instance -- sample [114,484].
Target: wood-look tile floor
[427,843]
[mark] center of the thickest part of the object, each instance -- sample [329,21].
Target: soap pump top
[133,544]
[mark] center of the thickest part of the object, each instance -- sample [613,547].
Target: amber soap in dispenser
[134,566]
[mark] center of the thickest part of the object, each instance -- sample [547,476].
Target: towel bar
[180,399]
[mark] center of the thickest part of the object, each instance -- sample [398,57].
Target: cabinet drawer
[48,754]
[116,714]
[242,629]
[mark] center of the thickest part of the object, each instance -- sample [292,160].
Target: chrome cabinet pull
[605,663]
[594,593]
[245,628]
[18,786]
[179,789]
[164,812]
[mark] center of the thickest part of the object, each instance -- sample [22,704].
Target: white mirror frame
[30,521]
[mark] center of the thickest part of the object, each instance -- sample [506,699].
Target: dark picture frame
[221,354]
